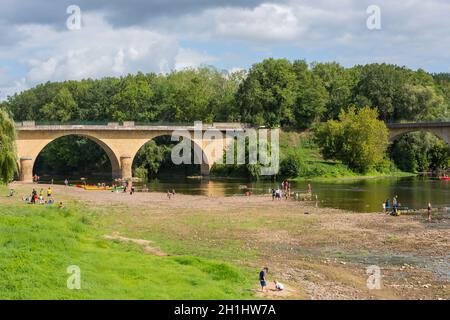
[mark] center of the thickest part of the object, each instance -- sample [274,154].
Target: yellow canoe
[96,188]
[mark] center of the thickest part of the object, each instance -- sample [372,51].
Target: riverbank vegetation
[8,155]
[295,96]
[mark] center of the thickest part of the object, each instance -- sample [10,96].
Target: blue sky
[120,37]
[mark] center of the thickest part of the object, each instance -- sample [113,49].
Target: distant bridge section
[440,129]
[121,142]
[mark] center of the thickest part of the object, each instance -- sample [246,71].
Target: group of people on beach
[395,209]
[395,206]
[283,191]
[39,197]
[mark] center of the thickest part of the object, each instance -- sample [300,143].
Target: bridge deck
[442,124]
[31,126]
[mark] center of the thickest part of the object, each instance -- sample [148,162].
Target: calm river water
[356,195]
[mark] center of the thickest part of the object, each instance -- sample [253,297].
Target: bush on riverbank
[301,159]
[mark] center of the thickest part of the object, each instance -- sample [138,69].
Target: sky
[40,40]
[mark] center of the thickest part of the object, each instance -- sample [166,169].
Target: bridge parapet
[126,125]
[418,125]
[120,141]
[440,129]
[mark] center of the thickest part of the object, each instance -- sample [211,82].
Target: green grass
[38,243]
[315,167]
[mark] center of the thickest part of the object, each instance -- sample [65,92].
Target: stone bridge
[121,142]
[440,129]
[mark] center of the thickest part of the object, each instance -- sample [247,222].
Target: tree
[62,107]
[420,152]
[399,93]
[267,95]
[8,155]
[150,158]
[311,96]
[277,92]
[339,84]
[382,86]
[290,166]
[358,139]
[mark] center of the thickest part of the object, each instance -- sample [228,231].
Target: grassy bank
[311,164]
[315,167]
[38,243]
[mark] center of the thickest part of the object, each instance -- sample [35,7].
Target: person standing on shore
[262,278]
[429,211]
[49,192]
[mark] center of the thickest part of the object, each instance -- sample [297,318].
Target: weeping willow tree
[8,158]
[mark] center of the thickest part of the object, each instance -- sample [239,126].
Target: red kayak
[445,178]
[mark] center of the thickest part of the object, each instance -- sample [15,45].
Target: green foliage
[420,152]
[399,93]
[8,155]
[203,94]
[141,173]
[150,157]
[358,139]
[278,92]
[290,166]
[73,154]
[339,83]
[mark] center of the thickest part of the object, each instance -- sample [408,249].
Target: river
[360,195]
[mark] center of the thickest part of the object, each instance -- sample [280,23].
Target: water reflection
[356,195]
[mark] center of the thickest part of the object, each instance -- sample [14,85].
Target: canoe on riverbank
[97,188]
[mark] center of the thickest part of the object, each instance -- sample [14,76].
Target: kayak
[96,188]
[93,187]
[108,188]
[445,178]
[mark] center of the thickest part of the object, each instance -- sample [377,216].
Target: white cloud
[267,22]
[188,58]
[95,51]
[414,33]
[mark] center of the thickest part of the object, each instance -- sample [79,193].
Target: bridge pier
[26,169]
[126,163]
[205,169]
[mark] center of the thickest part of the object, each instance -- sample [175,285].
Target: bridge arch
[394,134]
[205,163]
[121,142]
[28,161]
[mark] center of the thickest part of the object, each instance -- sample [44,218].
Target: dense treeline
[274,92]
